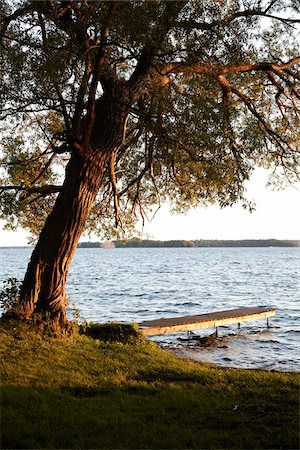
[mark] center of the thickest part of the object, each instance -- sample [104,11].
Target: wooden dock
[214,319]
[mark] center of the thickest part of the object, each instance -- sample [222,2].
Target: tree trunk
[43,291]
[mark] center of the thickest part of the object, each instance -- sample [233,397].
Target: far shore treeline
[141,243]
[149,243]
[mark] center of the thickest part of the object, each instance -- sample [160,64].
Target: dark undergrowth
[96,393]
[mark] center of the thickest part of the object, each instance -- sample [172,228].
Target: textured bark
[43,291]
[44,284]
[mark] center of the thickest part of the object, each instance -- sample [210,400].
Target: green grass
[80,392]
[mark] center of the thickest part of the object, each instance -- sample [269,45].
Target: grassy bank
[84,393]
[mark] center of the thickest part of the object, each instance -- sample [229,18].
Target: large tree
[109,108]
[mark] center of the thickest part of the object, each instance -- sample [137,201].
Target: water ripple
[140,284]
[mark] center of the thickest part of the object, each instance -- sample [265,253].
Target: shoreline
[200,243]
[180,353]
[229,350]
[79,392]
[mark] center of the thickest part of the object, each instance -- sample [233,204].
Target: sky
[277,216]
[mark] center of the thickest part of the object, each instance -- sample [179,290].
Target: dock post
[239,326]
[217,332]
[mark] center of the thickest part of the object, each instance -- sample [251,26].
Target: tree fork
[43,290]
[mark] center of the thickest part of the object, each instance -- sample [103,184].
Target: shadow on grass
[140,417]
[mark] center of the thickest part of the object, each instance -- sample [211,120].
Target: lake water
[140,284]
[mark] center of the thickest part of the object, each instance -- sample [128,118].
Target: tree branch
[45,190]
[115,190]
[54,78]
[205,26]
[26,162]
[18,13]
[44,169]
[139,77]
[99,60]
[226,86]
[213,69]
[80,97]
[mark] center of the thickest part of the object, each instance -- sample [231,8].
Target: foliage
[103,118]
[114,332]
[214,91]
[84,393]
[9,294]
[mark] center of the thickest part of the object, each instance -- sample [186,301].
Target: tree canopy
[109,108]
[212,90]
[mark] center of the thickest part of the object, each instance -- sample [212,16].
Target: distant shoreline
[202,243]
[213,243]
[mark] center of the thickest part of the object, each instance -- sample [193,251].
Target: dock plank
[213,319]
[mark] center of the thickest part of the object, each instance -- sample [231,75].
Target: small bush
[114,332]
[10,294]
